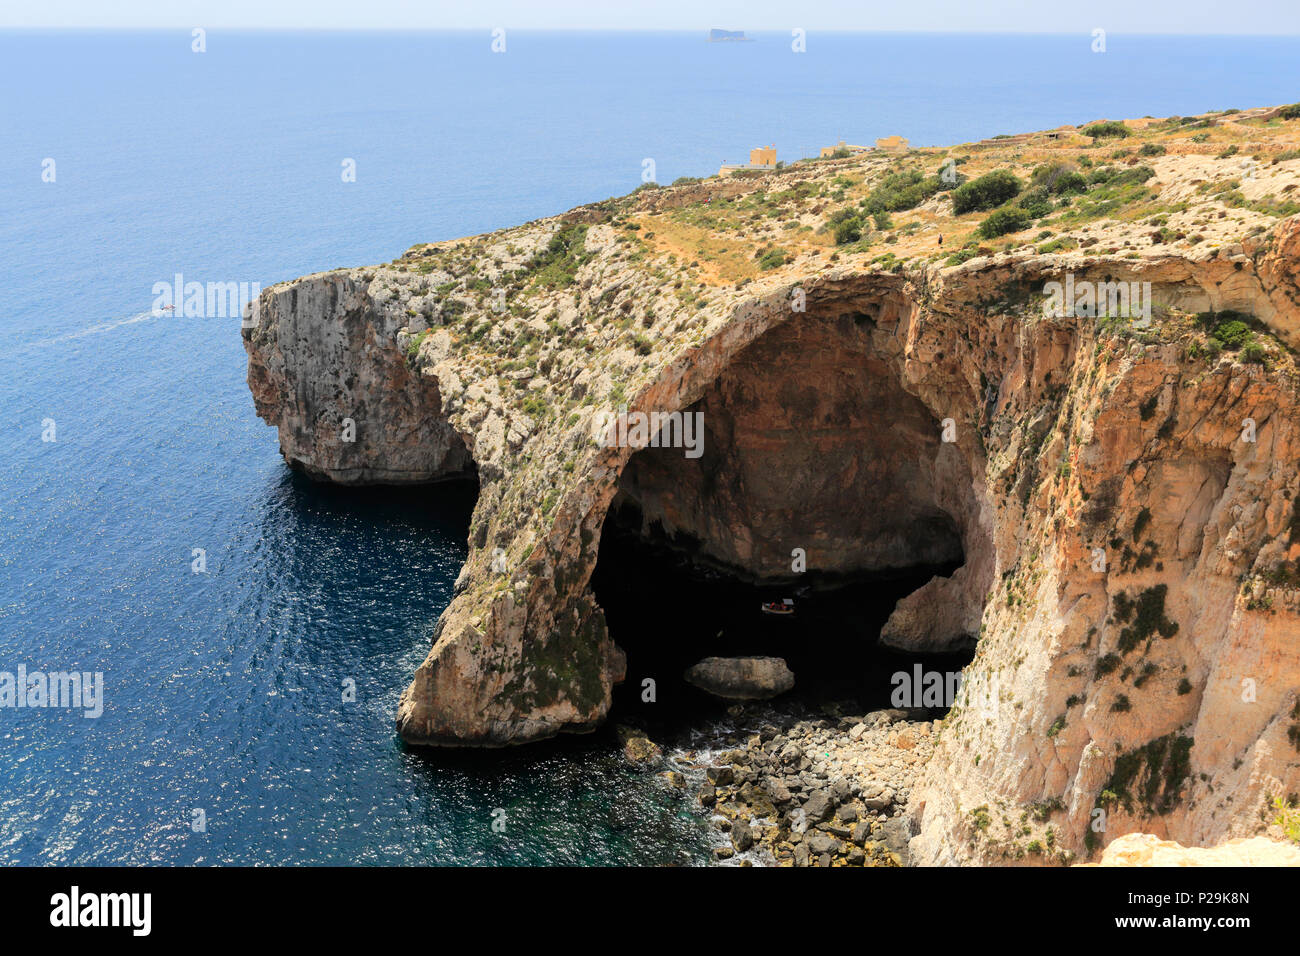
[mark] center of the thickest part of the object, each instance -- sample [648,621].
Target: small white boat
[782,608]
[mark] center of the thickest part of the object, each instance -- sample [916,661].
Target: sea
[255,630]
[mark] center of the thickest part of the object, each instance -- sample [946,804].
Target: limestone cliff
[881,387]
[1144,849]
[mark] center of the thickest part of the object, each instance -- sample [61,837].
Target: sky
[998,16]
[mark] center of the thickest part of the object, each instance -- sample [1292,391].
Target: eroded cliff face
[1125,504]
[324,368]
[812,443]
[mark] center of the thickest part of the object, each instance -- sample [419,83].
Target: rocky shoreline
[803,791]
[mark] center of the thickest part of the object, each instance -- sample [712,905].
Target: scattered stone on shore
[742,837]
[821,792]
[741,678]
[719,776]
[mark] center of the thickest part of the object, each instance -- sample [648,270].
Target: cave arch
[814,450]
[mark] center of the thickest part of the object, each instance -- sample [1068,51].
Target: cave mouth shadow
[811,445]
[667,612]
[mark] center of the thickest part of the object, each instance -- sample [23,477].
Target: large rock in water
[741,678]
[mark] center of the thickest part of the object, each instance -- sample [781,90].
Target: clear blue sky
[1032,16]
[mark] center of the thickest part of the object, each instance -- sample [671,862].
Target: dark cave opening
[811,446]
[668,612]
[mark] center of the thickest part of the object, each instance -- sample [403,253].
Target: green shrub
[901,191]
[1058,178]
[1232,334]
[846,224]
[1288,819]
[1148,616]
[557,265]
[1071,182]
[986,192]
[770,258]
[1105,130]
[962,255]
[413,347]
[1115,176]
[1056,245]
[1003,221]
[848,230]
[1035,202]
[1152,149]
[1255,353]
[1290,112]
[1106,664]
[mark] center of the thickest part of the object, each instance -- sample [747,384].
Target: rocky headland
[887,378]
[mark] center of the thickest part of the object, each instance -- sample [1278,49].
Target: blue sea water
[223,688]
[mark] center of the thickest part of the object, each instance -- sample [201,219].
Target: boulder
[822,843]
[741,678]
[641,750]
[742,837]
[674,779]
[895,835]
[881,801]
[817,808]
[778,791]
[719,776]
[638,749]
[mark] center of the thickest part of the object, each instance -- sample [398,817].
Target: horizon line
[163,28]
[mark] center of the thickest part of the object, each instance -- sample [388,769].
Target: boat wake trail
[83,333]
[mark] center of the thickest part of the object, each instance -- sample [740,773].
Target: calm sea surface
[223,688]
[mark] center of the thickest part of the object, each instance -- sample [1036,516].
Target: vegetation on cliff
[1080,431]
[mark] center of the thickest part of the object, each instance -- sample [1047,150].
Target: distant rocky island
[728,36]
[1062,361]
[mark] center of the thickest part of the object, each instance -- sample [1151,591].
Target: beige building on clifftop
[829,151]
[760,157]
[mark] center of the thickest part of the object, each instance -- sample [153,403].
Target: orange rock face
[1145,849]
